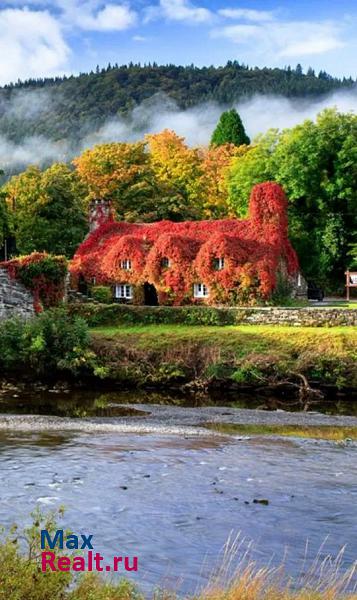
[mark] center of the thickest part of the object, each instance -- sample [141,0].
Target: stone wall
[310,316]
[97,314]
[15,299]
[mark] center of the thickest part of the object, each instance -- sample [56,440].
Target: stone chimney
[100,211]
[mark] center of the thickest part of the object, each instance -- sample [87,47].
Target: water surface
[173,500]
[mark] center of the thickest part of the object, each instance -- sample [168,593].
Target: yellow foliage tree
[216,163]
[178,172]
[119,172]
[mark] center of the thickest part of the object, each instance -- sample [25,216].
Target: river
[172,493]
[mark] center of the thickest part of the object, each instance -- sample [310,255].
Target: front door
[150,295]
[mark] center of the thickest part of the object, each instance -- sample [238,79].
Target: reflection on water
[174,501]
[85,403]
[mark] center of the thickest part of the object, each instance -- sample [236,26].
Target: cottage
[227,261]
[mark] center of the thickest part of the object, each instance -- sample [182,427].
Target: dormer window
[218,264]
[165,262]
[200,290]
[126,264]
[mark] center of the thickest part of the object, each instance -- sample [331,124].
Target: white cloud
[247,14]
[284,39]
[31,45]
[179,10]
[113,17]
[94,15]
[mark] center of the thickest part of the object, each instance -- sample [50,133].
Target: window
[165,262]
[218,264]
[299,281]
[122,290]
[200,290]
[126,264]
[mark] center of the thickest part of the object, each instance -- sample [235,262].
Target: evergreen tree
[230,130]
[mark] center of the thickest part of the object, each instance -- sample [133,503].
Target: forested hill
[66,107]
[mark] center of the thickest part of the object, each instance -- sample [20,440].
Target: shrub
[20,574]
[57,341]
[91,587]
[282,292]
[44,275]
[21,577]
[120,314]
[102,293]
[51,342]
[11,344]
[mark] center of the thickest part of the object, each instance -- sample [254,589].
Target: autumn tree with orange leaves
[159,178]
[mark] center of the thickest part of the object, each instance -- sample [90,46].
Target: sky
[44,38]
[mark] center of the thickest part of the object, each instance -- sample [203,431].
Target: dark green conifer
[230,130]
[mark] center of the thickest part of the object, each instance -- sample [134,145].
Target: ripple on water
[174,499]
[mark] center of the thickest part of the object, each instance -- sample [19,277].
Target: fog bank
[259,114]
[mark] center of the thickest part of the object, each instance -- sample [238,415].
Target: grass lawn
[336,304]
[243,336]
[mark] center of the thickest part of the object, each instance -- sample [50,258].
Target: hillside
[71,106]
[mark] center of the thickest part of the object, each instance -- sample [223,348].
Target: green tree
[353,257]
[4,219]
[4,216]
[248,169]
[316,163]
[230,130]
[48,210]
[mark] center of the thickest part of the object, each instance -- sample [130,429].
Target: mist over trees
[69,107]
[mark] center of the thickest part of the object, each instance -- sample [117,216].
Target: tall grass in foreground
[21,577]
[325,579]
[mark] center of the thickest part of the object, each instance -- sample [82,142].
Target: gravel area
[172,419]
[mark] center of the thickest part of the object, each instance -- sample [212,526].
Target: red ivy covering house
[217,262]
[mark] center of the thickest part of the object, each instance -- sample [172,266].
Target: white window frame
[219,263]
[200,290]
[123,291]
[125,264]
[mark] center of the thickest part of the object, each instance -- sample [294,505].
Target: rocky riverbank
[191,421]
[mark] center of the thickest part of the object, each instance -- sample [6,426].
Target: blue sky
[52,37]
